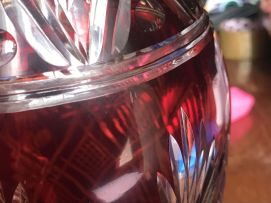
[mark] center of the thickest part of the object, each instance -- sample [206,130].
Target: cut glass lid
[37,37]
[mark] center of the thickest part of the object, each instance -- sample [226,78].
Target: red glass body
[112,148]
[111,101]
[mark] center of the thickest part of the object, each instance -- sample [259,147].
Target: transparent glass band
[83,83]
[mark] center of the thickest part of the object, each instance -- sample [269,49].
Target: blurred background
[243,28]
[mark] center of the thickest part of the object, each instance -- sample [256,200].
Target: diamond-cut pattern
[189,163]
[165,190]
[2,198]
[62,33]
[19,195]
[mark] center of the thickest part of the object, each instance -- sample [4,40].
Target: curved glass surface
[111,101]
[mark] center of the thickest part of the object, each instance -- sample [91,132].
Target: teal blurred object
[246,11]
[218,6]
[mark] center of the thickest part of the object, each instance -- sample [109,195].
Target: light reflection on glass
[97,28]
[116,188]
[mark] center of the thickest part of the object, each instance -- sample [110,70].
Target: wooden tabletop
[249,164]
